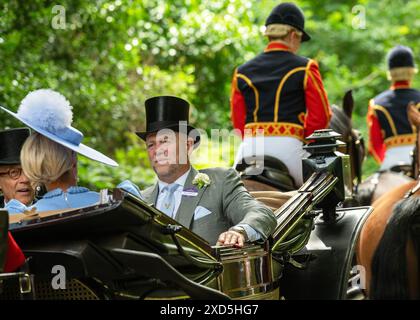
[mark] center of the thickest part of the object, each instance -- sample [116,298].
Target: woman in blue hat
[49,155]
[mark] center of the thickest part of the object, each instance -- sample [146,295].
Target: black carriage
[124,248]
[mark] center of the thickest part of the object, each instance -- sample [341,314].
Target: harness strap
[413,190]
[374,183]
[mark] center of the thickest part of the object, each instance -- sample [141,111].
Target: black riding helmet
[290,14]
[399,57]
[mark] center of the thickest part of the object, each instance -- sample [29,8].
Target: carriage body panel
[329,255]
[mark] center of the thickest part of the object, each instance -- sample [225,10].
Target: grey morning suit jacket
[227,200]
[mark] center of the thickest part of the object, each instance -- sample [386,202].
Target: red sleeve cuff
[237,106]
[318,111]
[376,144]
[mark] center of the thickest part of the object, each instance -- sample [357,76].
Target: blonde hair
[45,161]
[280,31]
[402,73]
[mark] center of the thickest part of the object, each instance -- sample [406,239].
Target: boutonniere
[201,180]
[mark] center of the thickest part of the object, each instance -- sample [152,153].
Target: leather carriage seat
[273,173]
[29,215]
[273,199]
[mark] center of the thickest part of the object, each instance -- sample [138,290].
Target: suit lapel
[152,196]
[188,204]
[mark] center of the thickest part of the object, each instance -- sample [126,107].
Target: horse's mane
[389,263]
[340,122]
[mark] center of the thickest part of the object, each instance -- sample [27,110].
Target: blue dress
[57,199]
[75,197]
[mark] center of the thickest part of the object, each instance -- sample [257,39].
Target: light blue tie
[168,202]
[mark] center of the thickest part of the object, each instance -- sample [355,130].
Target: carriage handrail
[157,267]
[310,194]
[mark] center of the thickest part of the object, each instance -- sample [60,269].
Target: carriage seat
[273,199]
[274,172]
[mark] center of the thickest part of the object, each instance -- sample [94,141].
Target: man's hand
[231,238]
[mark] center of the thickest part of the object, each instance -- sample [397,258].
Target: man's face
[168,152]
[18,188]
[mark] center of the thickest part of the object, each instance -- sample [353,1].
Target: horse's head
[414,118]
[355,146]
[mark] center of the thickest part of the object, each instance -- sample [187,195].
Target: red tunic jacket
[387,119]
[281,93]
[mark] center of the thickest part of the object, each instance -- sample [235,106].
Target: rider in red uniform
[391,136]
[280,93]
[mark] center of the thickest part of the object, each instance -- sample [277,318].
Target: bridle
[416,166]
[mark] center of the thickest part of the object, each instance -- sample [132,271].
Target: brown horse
[373,231]
[389,243]
[378,184]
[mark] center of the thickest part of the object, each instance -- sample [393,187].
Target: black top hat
[168,112]
[11,142]
[400,56]
[290,14]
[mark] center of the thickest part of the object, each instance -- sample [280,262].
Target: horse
[380,182]
[389,243]
[275,176]
[381,245]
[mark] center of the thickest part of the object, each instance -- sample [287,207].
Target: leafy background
[112,55]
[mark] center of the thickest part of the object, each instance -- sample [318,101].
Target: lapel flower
[201,180]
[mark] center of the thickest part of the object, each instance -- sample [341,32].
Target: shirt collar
[6,202]
[400,85]
[58,192]
[181,181]
[276,46]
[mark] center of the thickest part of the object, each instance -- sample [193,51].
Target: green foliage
[112,55]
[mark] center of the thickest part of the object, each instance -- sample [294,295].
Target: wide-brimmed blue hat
[49,113]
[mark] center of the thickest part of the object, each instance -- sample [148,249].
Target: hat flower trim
[46,109]
[201,180]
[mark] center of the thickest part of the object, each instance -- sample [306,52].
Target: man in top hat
[213,202]
[279,93]
[13,182]
[391,136]
[14,185]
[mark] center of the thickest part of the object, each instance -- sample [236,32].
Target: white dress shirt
[177,194]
